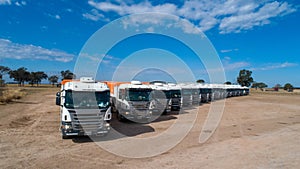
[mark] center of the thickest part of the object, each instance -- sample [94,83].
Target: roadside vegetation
[8,95]
[21,76]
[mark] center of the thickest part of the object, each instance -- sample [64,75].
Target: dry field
[256,131]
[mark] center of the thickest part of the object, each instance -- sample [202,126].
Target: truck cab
[131,101]
[206,93]
[159,95]
[187,95]
[84,107]
[174,94]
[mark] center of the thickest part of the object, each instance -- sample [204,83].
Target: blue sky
[262,36]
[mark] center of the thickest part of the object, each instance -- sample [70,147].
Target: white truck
[187,94]
[84,107]
[174,96]
[131,100]
[205,92]
[162,104]
[172,93]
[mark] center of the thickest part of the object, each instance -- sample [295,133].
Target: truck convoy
[84,107]
[131,100]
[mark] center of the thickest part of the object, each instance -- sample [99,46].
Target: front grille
[87,120]
[140,106]
[175,102]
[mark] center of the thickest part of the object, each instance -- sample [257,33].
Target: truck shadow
[127,129]
[119,130]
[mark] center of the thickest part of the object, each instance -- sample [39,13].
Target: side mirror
[58,98]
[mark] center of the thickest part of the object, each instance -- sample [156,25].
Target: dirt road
[256,131]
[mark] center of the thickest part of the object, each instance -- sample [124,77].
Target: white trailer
[84,107]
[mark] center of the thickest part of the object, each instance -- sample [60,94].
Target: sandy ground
[256,131]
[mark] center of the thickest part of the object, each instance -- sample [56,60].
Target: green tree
[200,81]
[288,87]
[20,75]
[244,78]
[37,77]
[53,79]
[228,83]
[3,70]
[260,85]
[67,75]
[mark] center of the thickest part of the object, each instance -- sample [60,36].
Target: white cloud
[262,16]
[142,7]
[54,16]
[93,15]
[228,16]
[153,23]
[12,2]
[5,2]
[235,65]
[228,50]
[12,50]
[69,10]
[96,59]
[228,65]
[272,66]
[57,17]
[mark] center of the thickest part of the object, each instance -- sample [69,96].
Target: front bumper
[137,114]
[67,130]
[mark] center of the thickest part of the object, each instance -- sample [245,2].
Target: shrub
[9,95]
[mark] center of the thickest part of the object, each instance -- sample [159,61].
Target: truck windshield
[186,92]
[195,92]
[87,99]
[173,94]
[205,91]
[138,94]
[158,94]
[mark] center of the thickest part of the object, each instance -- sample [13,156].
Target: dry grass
[280,92]
[9,95]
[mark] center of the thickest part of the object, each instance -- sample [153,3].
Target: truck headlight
[67,126]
